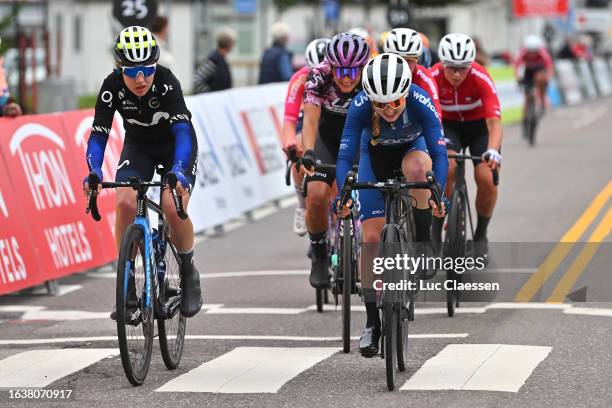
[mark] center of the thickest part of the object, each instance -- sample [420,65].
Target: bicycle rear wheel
[172,324]
[455,242]
[134,317]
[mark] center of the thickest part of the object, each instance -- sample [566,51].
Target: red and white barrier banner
[568,82]
[540,8]
[603,76]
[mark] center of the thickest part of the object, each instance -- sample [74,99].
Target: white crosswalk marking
[249,370]
[484,367]
[39,368]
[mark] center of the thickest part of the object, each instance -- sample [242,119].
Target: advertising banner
[603,76]
[568,82]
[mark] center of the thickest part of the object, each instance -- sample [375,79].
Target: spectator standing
[8,107]
[275,63]
[213,73]
[482,57]
[160,31]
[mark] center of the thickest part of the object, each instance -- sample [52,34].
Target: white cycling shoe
[299,221]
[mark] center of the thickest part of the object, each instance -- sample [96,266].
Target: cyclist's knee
[318,196]
[414,166]
[484,180]
[126,206]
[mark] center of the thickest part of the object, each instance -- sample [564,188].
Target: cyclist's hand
[181,180]
[344,211]
[308,162]
[98,172]
[11,110]
[436,211]
[290,150]
[492,158]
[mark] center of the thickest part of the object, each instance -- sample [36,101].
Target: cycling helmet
[315,51]
[533,42]
[386,78]
[457,49]
[360,31]
[404,42]
[136,45]
[347,51]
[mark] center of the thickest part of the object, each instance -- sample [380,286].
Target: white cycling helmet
[315,51]
[360,31]
[404,42]
[533,42]
[136,45]
[457,49]
[386,78]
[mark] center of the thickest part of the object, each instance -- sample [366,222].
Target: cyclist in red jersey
[409,45]
[292,123]
[534,66]
[471,116]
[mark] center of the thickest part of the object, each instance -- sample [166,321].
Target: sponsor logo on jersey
[154,103]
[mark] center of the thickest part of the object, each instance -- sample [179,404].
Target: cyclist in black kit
[158,130]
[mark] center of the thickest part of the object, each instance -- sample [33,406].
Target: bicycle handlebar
[92,197]
[463,157]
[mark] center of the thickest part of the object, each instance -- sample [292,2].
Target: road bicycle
[148,283]
[530,121]
[397,238]
[459,238]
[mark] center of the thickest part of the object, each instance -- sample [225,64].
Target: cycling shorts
[529,76]
[141,160]
[473,134]
[381,164]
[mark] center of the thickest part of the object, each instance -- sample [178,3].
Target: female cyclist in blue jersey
[393,124]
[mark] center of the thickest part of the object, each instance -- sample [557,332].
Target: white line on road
[60,340]
[249,370]
[484,367]
[39,368]
[589,311]
[257,310]
[222,275]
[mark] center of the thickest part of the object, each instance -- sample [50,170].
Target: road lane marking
[257,310]
[577,267]
[562,249]
[483,367]
[61,340]
[222,275]
[249,370]
[39,368]
[589,311]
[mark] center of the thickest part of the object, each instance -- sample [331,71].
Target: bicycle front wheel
[134,313]
[347,274]
[390,329]
[172,324]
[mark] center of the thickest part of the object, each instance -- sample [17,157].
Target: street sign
[135,12]
[539,8]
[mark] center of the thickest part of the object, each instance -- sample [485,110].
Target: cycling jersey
[295,95]
[419,120]
[422,78]
[539,59]
[475,99]
[321,91]
[159,118]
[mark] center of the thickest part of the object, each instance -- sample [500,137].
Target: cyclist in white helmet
[292,123]
[401,130]
[408,44]
[534,67]
[158,130]
[471,117]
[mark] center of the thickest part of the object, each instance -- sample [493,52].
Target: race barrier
[45,233]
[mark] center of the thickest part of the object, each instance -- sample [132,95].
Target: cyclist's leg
[182,232]
[299,221]
[541,83]
[134,162]
[486,194]
[528,84]
[317,202]
[415,164]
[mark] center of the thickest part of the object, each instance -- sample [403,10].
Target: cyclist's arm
[548,63]
[494,127]
[101,127]
[519,65]
[313,101]
[432,132]
[293,104]
[357,117]
[180,122]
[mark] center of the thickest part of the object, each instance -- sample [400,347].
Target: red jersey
[475,99]
[423,79]
[533,60]
[295,95]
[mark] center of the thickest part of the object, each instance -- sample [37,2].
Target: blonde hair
[375,128]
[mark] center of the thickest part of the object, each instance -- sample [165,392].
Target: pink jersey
[423,79]
[475,99]
[295,94]
[539,59]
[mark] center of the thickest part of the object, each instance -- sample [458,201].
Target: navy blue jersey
[418,119]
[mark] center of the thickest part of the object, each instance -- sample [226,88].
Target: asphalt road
[259,343]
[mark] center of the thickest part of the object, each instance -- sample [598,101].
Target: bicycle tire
[319,293]
[171,328]
[455,242]
[135,373]
[390,333]
[347,273]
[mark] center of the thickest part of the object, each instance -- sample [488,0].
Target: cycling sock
[317,239]
[481,228]
[300,196]
[373,317]
[186,256]
[422,222]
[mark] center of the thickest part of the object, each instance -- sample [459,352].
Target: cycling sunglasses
[395,105]
[145,70]
[454,68]
[341,72]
